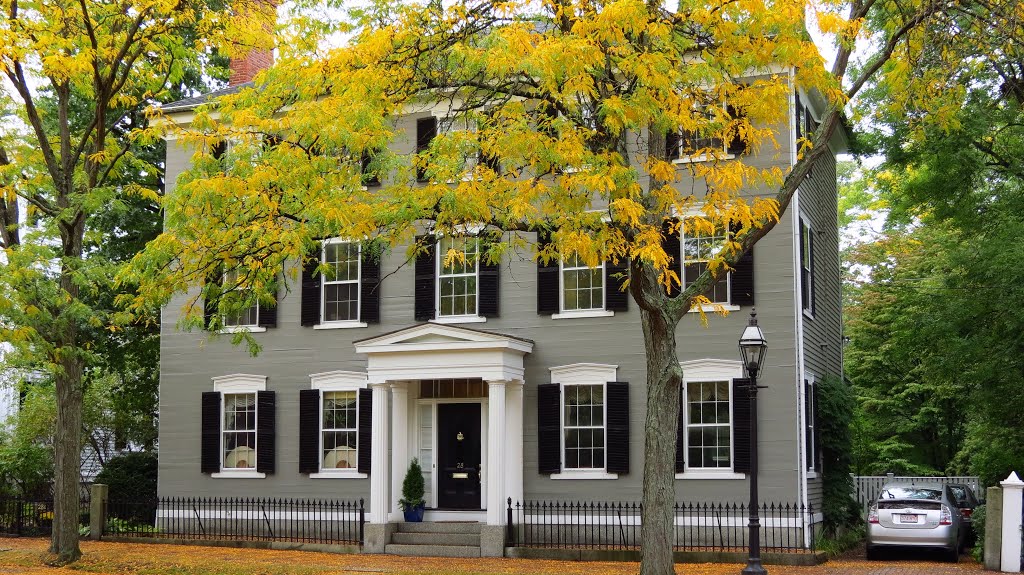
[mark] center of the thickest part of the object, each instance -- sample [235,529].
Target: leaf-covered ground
[24,556]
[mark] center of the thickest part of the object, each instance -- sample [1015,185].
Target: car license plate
[908,518]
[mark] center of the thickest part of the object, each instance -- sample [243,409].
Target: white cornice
[583,373]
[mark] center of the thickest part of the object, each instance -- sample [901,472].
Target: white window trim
[346,323]
[713,306]
[711,369]
[702,157]
[336,381]
[582,374]
[808,311]
[245,327]
[438,267]
[237,383]
[589,312]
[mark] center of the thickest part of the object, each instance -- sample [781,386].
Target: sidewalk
[18,556]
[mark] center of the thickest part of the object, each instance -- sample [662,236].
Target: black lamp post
[752,350]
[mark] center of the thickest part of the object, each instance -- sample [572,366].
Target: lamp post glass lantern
[752,352]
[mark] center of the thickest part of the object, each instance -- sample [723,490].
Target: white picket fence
[867,487]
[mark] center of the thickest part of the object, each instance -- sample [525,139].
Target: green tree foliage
[935,312]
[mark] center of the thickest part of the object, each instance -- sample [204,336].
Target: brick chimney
[250,60]
[245,67]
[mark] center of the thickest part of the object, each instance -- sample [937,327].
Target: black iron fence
[698,526]
[33,517]
[297,520]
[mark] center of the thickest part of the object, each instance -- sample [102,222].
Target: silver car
[908,515]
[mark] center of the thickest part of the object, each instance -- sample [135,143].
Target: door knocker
[460,437]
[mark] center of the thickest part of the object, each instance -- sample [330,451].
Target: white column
[1013,498]
[496,453]
[514,442]
[399,444]
[380,478]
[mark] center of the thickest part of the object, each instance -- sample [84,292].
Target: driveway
[19,556]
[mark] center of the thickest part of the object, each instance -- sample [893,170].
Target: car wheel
[871,553]
[954,554]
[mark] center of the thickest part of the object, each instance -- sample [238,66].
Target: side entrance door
[458,441]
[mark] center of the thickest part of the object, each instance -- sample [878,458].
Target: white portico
[453,397]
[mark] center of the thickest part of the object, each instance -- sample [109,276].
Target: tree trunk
[67,443]
[664,377]
[67,462]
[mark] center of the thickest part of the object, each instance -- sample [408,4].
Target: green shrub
[412,486]
[836,401]
[131,477]
[978,525]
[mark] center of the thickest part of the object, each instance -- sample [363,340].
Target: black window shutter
[210,454]
[365,446]
[310,314]
[426,131]
[267,314]
[549,428]
[617,444]
[673,247]
[741,425]
[799,119]
[737,146]
[548,284]
[615,275]
[742,287]
[265,423]
[681,432]
[309,430]
[426,281]
[817,430]
[808,425]
[210,304]
[672,145]
[369,285]
[488,289]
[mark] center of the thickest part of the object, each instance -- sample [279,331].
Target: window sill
[239,474]
[459,319]
[242,329]
[713,308]
[716,475]
[590,474]
[700,158]
[812,474]
[808,314]
[583,313]
[331,474]
[340,325]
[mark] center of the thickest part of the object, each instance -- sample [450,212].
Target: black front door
[458,441]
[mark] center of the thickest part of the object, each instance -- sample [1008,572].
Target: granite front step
[432,550]
[417,538]
[439,527]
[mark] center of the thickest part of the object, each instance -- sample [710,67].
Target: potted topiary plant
[412,502]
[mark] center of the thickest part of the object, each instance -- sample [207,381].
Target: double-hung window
[246,318]
[339,429]
[583,425]
[806,267]
[457,277]
[341,281]
[582,286]
[239,431]
[699,249]
[708,425]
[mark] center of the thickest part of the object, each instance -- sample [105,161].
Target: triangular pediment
[441,336]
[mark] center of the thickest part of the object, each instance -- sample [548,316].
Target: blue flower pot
[414,515]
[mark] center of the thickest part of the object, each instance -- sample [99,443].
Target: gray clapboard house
[515,380]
